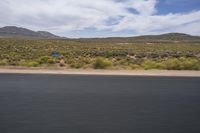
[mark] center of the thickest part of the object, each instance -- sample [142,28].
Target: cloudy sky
[102,18]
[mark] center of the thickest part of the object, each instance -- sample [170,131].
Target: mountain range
[18,32]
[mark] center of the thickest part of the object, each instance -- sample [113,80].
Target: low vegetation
[99,55]
[102,63]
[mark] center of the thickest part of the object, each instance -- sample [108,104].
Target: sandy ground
[101,72]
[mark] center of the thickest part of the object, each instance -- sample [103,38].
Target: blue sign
[55,54]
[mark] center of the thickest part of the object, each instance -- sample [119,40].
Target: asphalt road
[98,104]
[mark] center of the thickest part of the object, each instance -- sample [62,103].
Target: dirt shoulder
[101,72]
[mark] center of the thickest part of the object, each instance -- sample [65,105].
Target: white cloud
[60,16]
[143,24]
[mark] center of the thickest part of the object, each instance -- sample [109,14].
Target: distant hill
[18,32]
[169,37]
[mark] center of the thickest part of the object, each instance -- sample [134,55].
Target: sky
[103,18]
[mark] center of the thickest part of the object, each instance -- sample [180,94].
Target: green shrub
[3,62]
[47,60]
[182,64]
[173,64]
[77,65]
[30,64]
[102,63]
[135,66]
[189,64]
[149,64]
